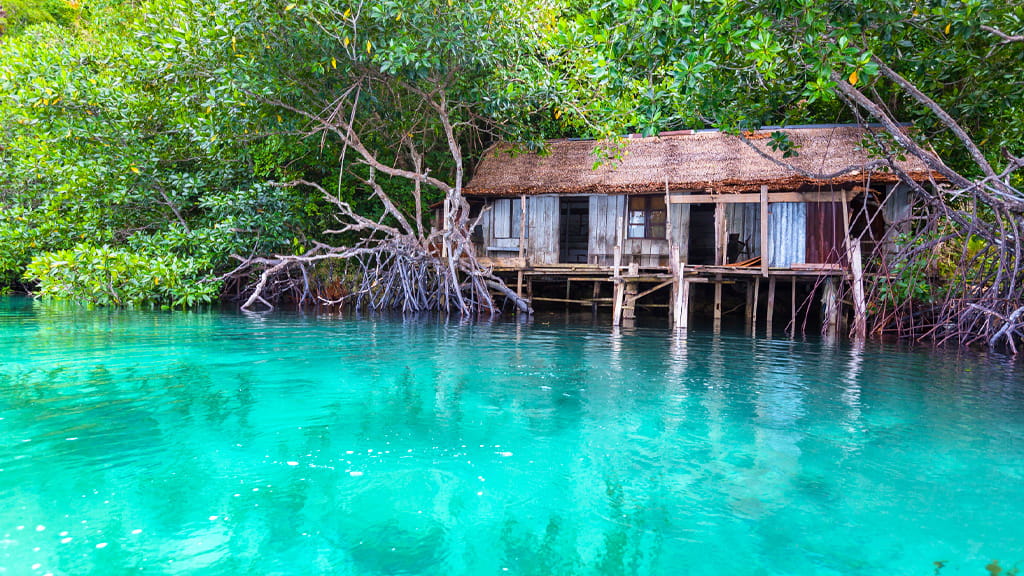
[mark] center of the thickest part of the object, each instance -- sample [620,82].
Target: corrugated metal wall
[787,233]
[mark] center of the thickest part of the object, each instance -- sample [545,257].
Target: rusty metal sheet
[825,233]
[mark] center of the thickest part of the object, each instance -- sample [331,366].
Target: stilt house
[715,196]
[717,203]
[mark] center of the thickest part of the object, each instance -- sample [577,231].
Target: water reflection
[227,444]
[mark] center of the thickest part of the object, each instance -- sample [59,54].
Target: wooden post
[771,306]
[718,297]
[519,283]
[617,308]
[792,289]
[847,250]
[859,305]
[683,303]
[721,235]
[629,307]
[749,308]
[846,222]
[757,296]
[617,287]
[764,231]
[673,267]
[597,294]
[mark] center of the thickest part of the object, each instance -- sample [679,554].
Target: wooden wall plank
[681,229]
[603,216]
[500,214]
[543,234]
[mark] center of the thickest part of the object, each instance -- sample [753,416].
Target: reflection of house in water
[695,209]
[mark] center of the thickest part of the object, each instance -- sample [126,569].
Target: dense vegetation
[151,148]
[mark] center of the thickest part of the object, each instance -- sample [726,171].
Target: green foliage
[653,65]
[16,15]
[926,277]
[150,126]
[780,142]
[908,282]
[105,276]
[159,127]
[112,134]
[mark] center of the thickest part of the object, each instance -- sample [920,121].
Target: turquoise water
[216,443]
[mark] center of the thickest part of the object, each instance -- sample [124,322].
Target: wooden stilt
[718,297]
[792,289]
[749,307]
[683,306]
[617,287]
[673,265]
[519,283]
[757,296]
[859,305]
[619,291]
[770,312]
[682,297]
[672,300]
[629,306]
[630,297]
[596,295]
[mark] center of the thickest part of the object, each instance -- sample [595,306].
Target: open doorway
[574,229]
[702,234]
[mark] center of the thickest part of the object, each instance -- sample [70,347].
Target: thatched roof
[691,160]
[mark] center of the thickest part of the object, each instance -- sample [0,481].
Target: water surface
[216,443]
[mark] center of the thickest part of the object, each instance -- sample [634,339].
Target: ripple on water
[223,444]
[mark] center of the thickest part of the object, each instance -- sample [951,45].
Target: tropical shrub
[106,276]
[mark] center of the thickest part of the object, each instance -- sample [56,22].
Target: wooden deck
[601,272]
[632,284]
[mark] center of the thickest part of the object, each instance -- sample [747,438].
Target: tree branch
[931,160]
[946,119]
[1006,38]
[814,175]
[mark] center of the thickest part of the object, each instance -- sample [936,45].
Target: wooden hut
[710,202]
